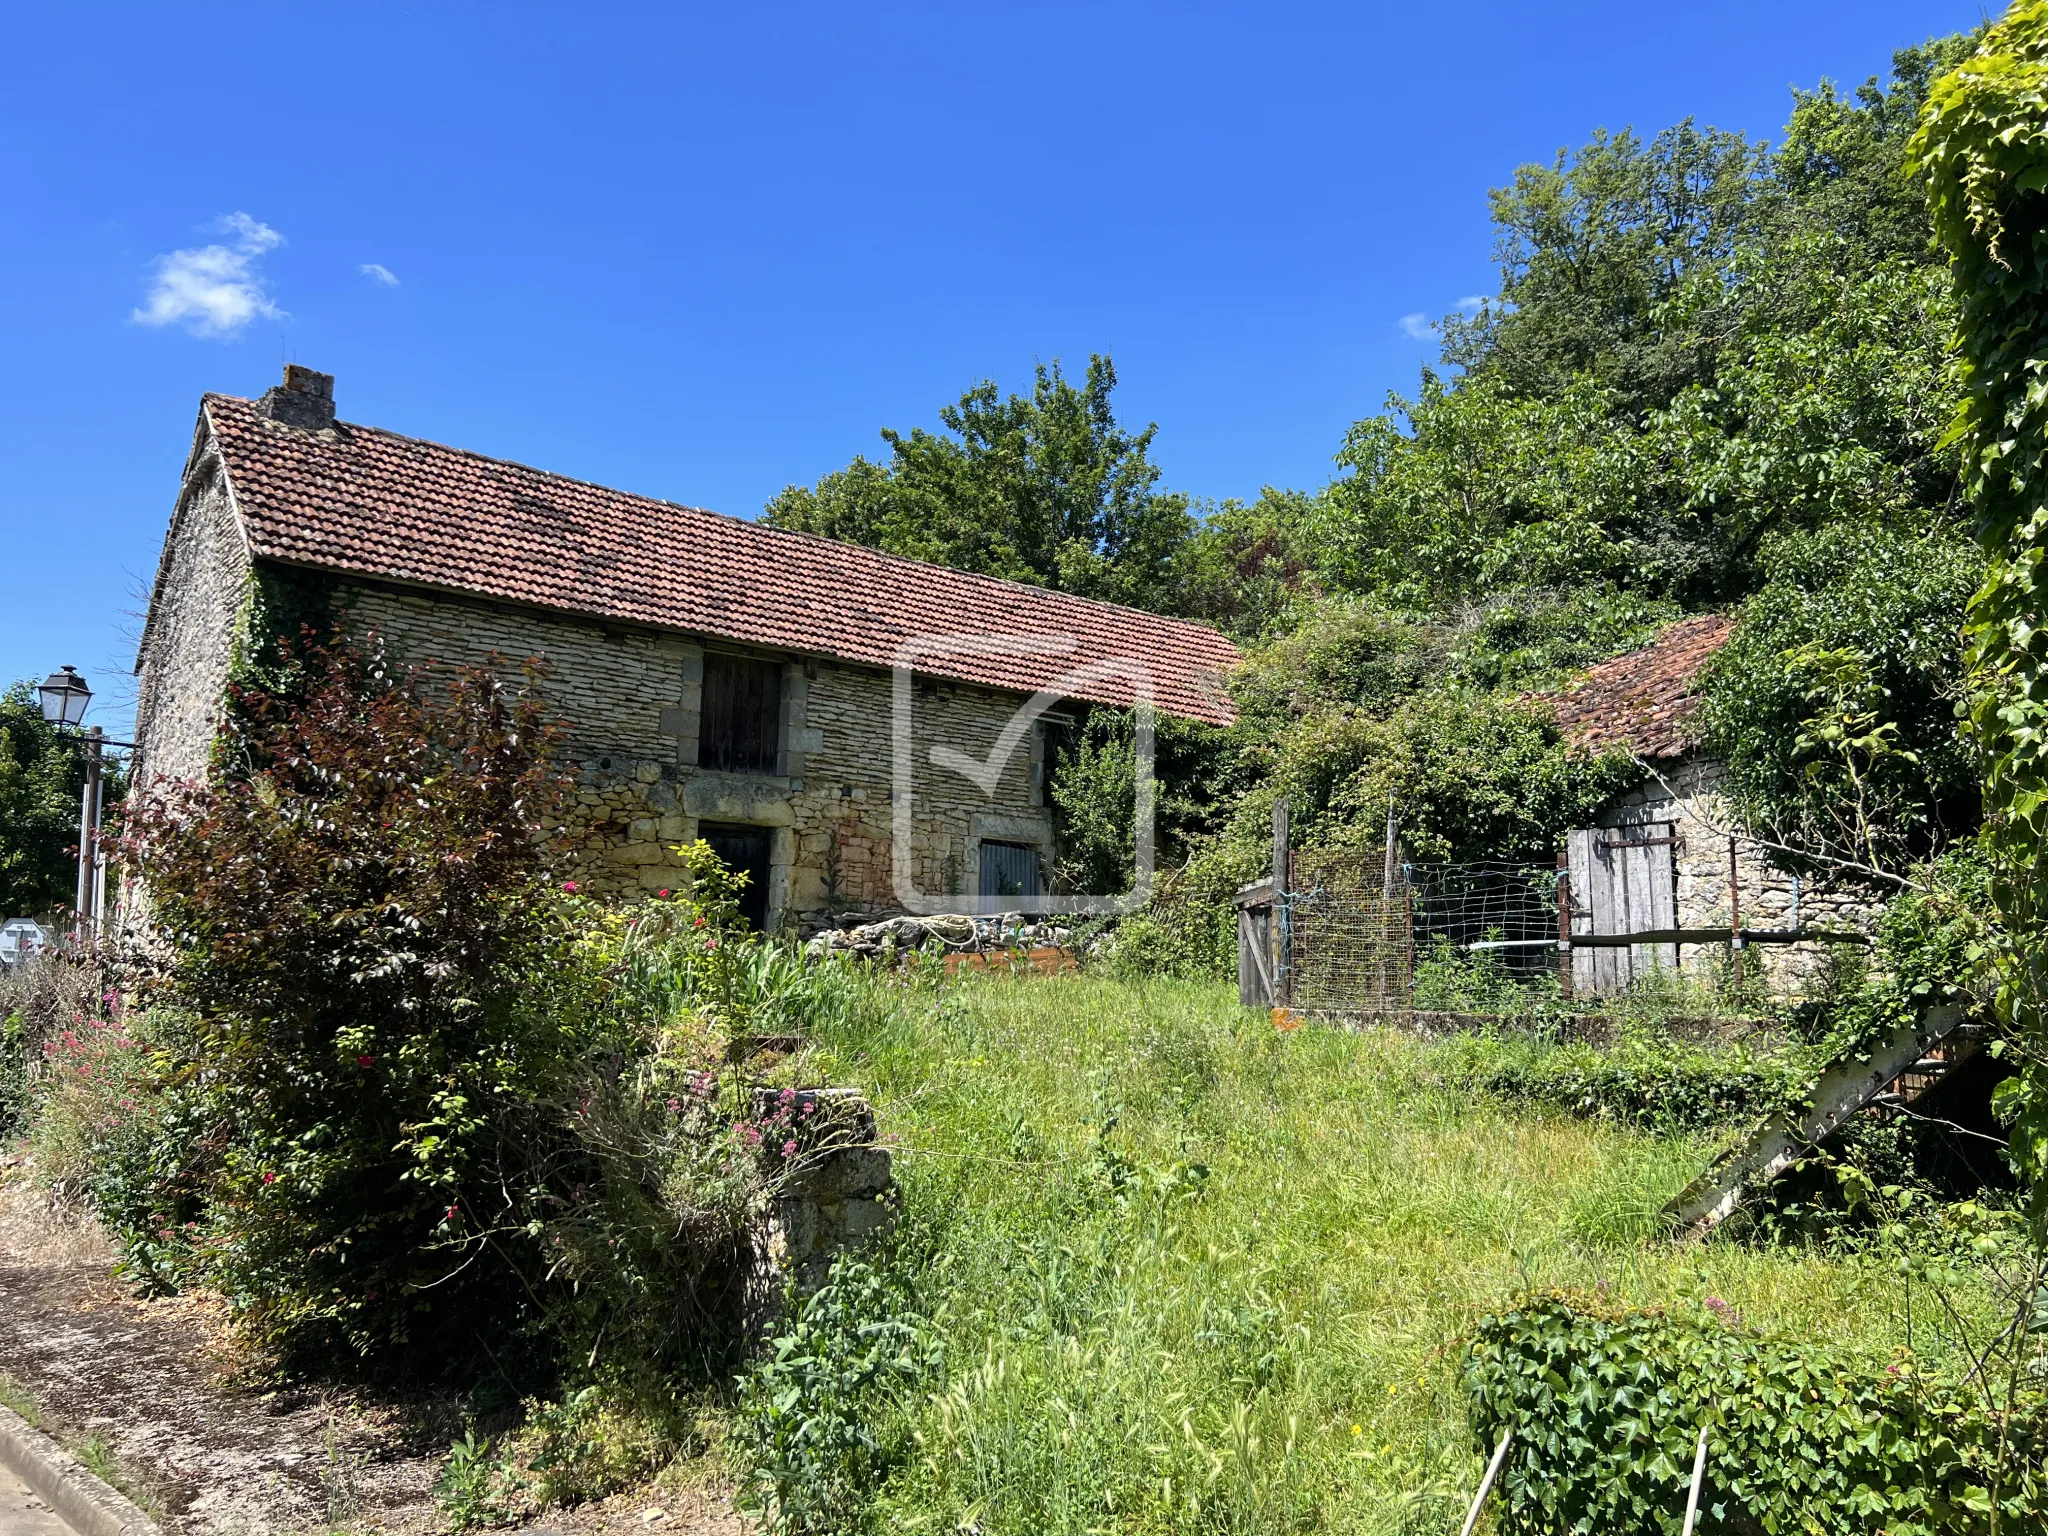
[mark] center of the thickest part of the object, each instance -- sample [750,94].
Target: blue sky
[702,252]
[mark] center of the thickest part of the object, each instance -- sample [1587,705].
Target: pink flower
[789,1148]
[675,1106]
[569,886]
[366,1061]
[661,893]
[700,922]
[452,1212]
[269,1177]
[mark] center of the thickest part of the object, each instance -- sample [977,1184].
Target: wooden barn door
[1622,881]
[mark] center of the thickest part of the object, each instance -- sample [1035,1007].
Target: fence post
[1734,911]
[1283,922]
[1408,922]
[1564,925]
[1393,848]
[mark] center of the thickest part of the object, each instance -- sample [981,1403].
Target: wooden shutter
[742,720]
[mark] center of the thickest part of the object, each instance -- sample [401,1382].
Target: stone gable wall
[1689,794]
[189,647]
[632,699]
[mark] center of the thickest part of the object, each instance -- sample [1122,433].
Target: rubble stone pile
[950,932]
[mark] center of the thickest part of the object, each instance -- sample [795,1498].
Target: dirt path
[154,1381]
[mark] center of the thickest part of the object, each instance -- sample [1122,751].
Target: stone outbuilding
[1669,854]
[859,732]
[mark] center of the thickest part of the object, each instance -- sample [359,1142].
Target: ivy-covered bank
[1605,1405]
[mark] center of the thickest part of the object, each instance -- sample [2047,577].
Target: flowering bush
[438,1108]
[384,998]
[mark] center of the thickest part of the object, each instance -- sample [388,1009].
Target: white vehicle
[22,939]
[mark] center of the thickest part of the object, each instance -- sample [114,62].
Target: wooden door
[744,850]
[1622,881]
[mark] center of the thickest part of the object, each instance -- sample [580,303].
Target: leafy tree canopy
[42,776]
[1047,488]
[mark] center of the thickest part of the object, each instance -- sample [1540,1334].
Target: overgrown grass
[1192,1273]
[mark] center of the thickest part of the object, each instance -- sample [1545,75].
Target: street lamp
[65,697]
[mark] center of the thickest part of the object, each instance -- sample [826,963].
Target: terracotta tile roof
[371,503]
[1644,700]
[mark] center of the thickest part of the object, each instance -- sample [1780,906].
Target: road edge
[81,1500]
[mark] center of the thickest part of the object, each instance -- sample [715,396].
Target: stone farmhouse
[1666,854]
[860,733]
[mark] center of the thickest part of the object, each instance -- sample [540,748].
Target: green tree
[1046,488]
[1843,160]
[1474,488]
[1595,249]
[1250,565]
[42,776]
[1983,147]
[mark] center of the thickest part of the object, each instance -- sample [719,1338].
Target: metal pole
[1283,937]
[1408,923]
[1564,925]
[99,858]
[1699,1472]
[1734,911]
[1393,844]
[1500,1454]
[88,828]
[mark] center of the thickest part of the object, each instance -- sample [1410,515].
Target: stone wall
[835,1195]
[632,700]
[188,646]
[1688,793]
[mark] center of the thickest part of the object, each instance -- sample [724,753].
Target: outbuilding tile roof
[374,504]
[1644,701]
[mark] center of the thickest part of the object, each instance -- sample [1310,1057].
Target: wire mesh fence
[1355,928]
[1348,936]
[1507,911]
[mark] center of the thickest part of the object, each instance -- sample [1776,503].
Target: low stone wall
[837,1191]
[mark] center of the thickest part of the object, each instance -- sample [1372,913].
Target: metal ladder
[1901,1070]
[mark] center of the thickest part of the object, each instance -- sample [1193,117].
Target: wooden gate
[1623,880]
[1256,943]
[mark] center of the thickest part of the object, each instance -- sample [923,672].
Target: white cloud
[215,290]
[1417,327]
[380,272]
[1473,304]
[256,236]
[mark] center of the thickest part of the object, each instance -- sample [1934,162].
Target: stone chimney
[305,399]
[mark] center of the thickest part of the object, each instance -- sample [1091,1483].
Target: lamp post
[64,697]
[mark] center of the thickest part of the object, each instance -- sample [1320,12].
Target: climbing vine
[1982,147]
[1606,1403]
